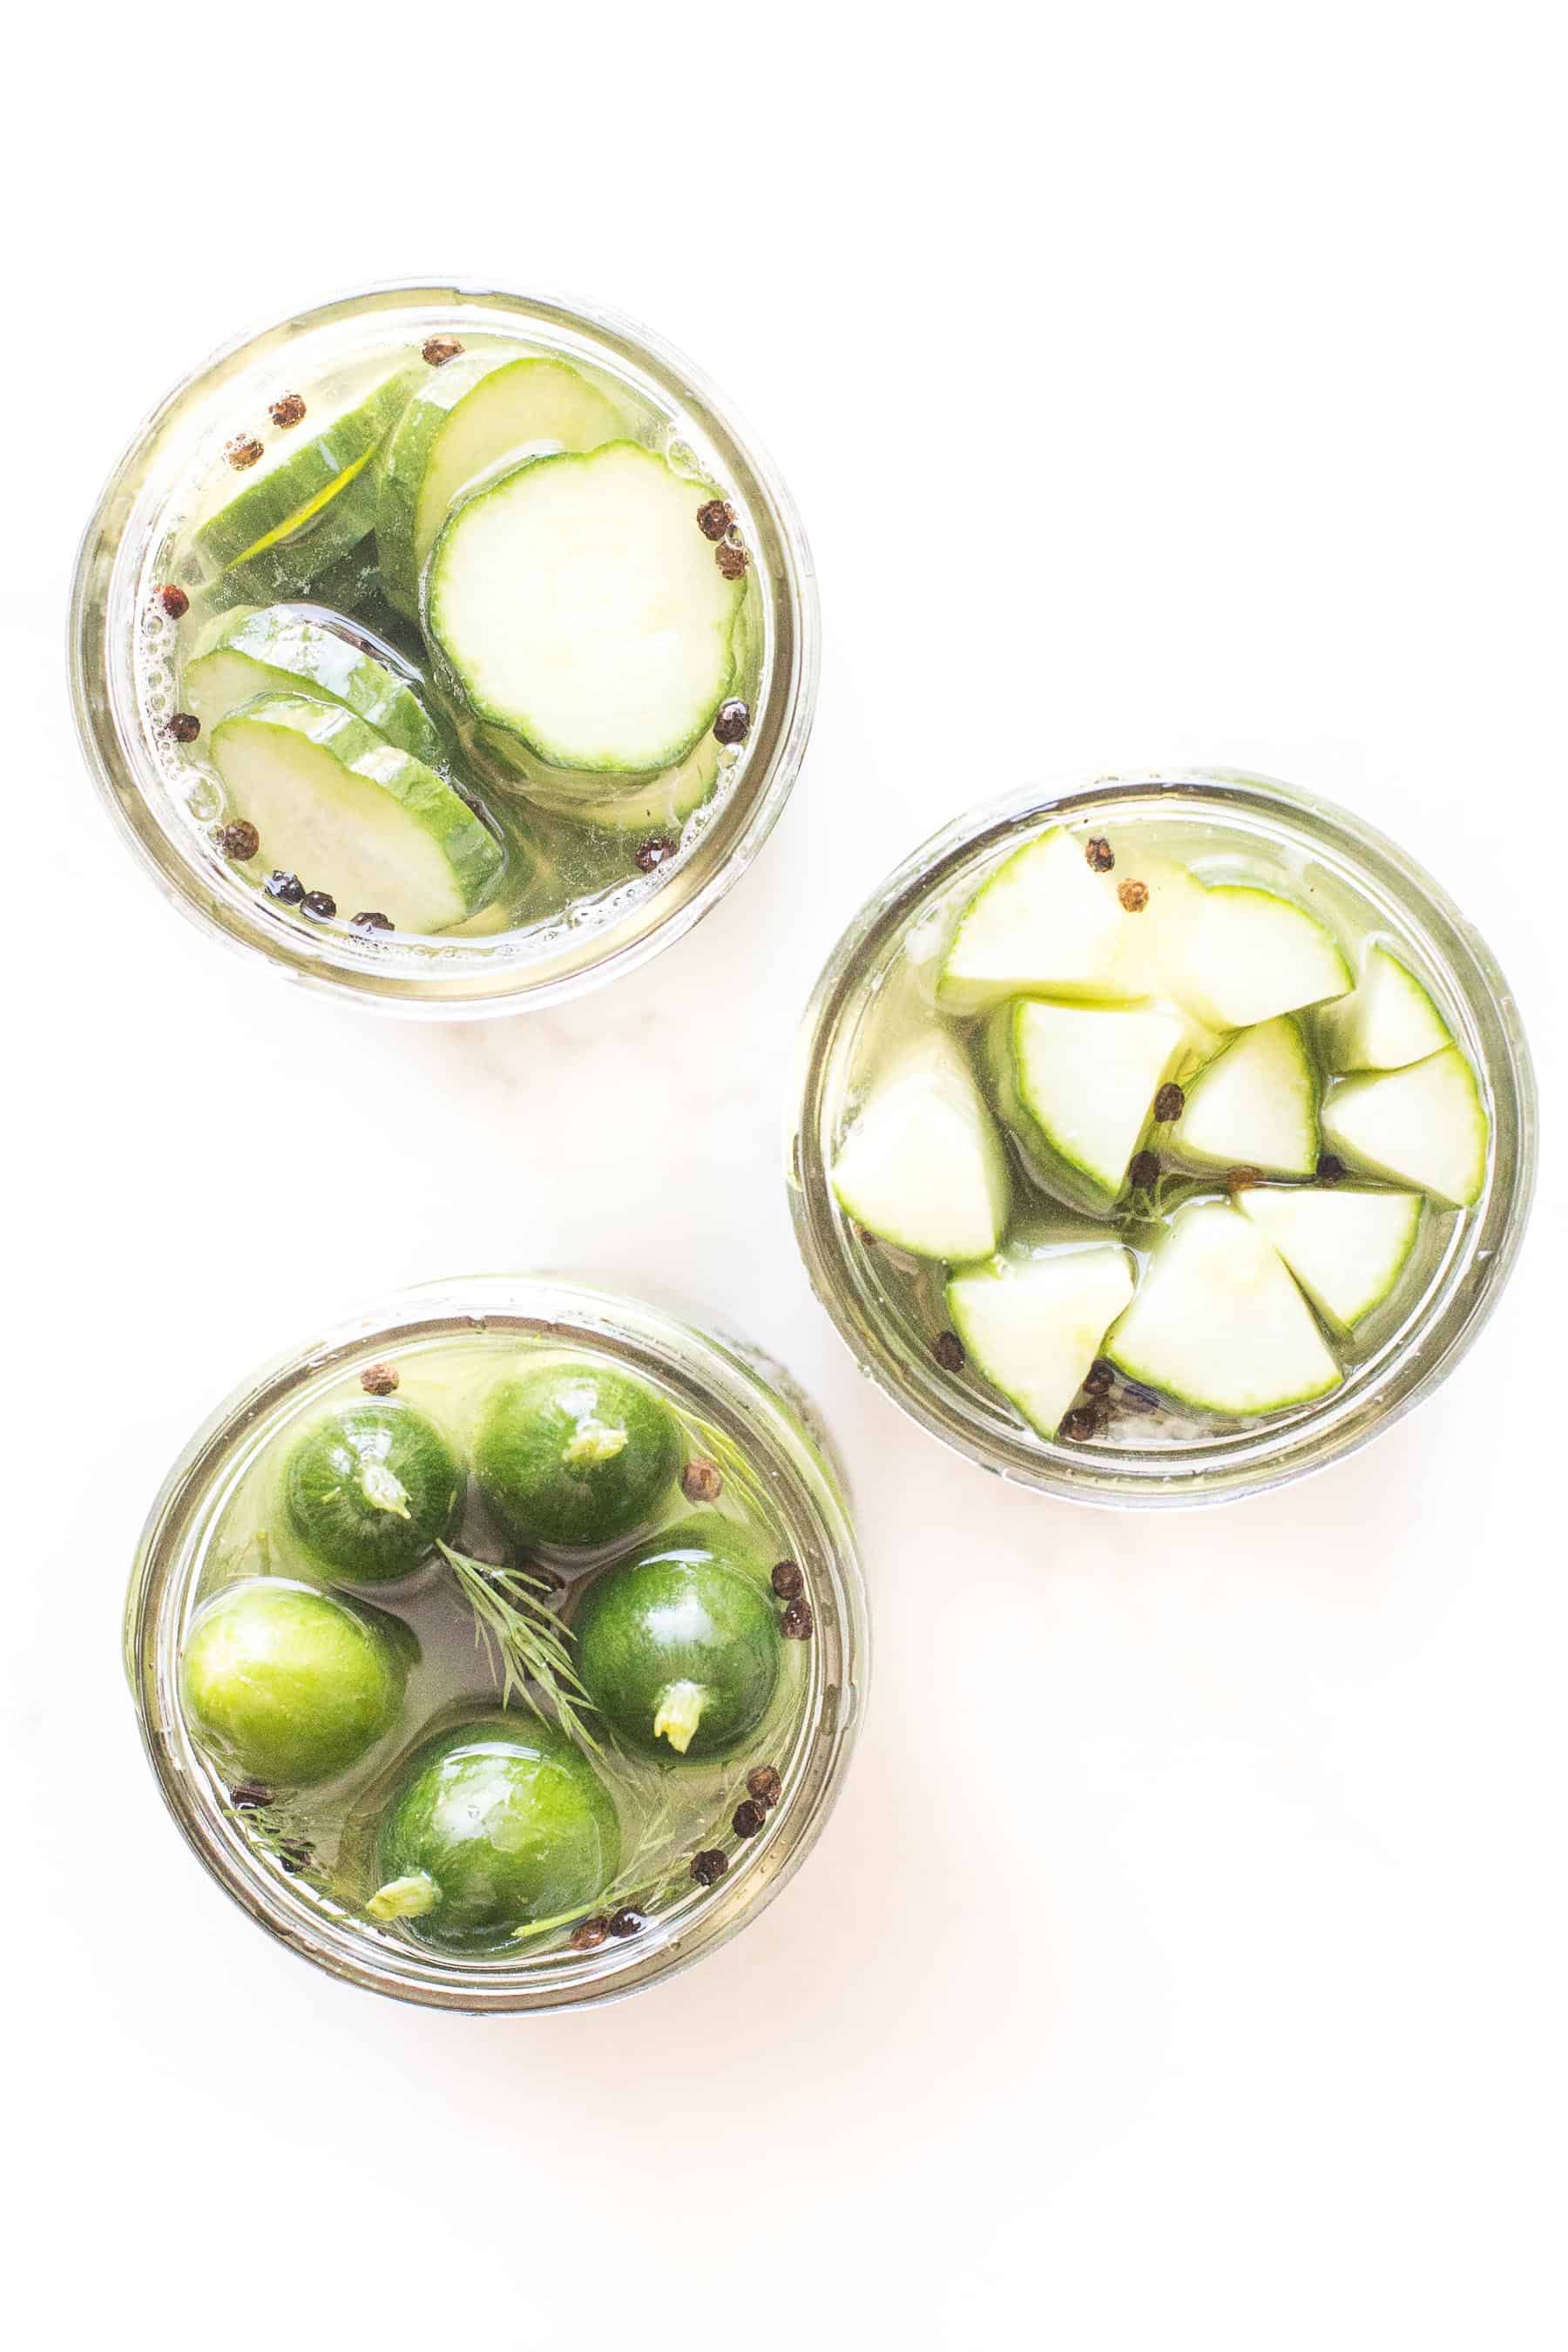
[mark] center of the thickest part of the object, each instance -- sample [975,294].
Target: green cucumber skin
[293,653]
[400,470]
[468,849]
[689,1607]
[500,723]
[295,564]
[511,1822]
[283,1683]
[346,1533]
[318,460]
[1046,1167]
[530,1422]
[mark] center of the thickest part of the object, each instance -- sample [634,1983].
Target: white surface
[1186,1962]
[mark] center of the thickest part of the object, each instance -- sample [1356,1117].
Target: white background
[1187,1960]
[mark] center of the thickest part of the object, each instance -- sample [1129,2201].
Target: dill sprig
[526,1641]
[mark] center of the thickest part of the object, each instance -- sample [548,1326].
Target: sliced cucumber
[349,812]
[281,650]
[923,1166]
[1044,925]
[579,606]
[1255,1105]
[1242,955]
[1425,1126]
[1218,1323]
[1034,1326]
[1387,1021]
[465,419]
[1075,1085]
[286,520]
[1347,1248]
[638,804]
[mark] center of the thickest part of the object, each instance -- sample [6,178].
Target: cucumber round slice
[469,417]
[281,650]
[1075,1085]
[336,803]
[289,494]
[1387,1021]
[1218,1323]
[577,1456]
[1347,1248]
[285,1684]
[371,1489]
[1033,1327]
[578,606]
[1044,925]
[493,1824]
[1425,1126]
[1255,1105]
[1244,954]
[923,1166]
[678,1647]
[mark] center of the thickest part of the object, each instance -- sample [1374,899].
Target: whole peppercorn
[372,922]
[287,411]
[1099,854]
[239,841]
[243,451]
[733,723]
[320,903]
[379,1379]
[175,600]
[184,726]
[651,854]
[439,349]
[1242,1180]
[1100,1378]
[708,1866]
[732,560]
[714,518]
[797,1624]
[765,1786]
[787,1581]
[295,1854]
[589,1934]
[1134,895]
[250,1796]
[1331,1168]
[701,1482]
[1143,1170]
[1169,1103]
[748,1818]
[626,1922]
[1084,1421]
[287,888]
[948,1350]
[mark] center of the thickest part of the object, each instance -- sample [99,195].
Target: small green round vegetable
[576,1455]
[284,1684]
[492,1826]
[370,1490]
[681,1643]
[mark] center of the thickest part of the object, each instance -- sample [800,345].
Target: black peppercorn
[175,600]
[626,1922]
[1134,897]
[1098,1377]
[250,1796]
[708,1866]
[239,841]
[714,518]
[701,1482]
[320,903]
[1144,1170]
[765,1785]
[652,852]
[439,349]
[732,560]
[797,1624]
[286,887]
[748,1818]
[733,723]
[372,922]
[1331,1168]
[1099,854]
[295,1855]
[184,726]
[1084,1421]
[287,411]
[242,451]
[787,1581]
[948,1350]
[1242,1180]
[1169,1103]
[379,1379]
[589,1934]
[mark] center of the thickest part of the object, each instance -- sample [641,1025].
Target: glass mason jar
[122,649]
[1370,887]
[743,1406]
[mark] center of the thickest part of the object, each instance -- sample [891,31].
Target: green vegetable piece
[679,1647]
[288,1685]
[491,1826]
[576,1455]
[370,1490]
